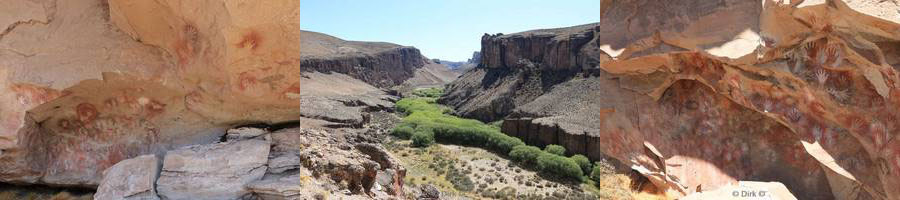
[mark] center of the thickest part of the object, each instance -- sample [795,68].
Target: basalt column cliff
[697,95]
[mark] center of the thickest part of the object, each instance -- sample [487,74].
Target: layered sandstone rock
[85,84]
[213,171]
[698,95]
[289,163]
[284,188]
[132,179]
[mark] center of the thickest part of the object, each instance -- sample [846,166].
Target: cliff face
[516,68]
[343,81]
[383,69]
[379,64]
[707,93]
[565,48]
[85,84]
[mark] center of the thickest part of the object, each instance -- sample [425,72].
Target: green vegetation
[427,122]
[423,137]
[525,154]
[403,131]
[583,162]
[496,124]
[556,164]
[431,123]
[429,92]
[555,149]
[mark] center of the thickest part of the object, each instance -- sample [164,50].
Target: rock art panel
[86,84]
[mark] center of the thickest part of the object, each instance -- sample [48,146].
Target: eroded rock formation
[132,179]
[85,84]
[213,171]
[379,64]
[699,95]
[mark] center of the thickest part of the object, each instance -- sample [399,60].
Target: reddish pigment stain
[246,80]
[252,40]
[35,94]
[294,88]
[154,108]
[194,98]
[86,112]
[64,124]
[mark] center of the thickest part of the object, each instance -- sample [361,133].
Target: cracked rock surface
[213,171]
[131,179]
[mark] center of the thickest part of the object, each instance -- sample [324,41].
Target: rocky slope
[348,91]
[344,81]
[699,95]
[85,84]
[431,75]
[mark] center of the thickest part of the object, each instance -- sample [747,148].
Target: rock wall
[696,95]
[85,84]
[564,48]
[516,68]
[383,69]
[476,58]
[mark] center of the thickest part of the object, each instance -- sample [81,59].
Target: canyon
[699,95]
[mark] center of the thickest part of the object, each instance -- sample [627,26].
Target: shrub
[583,162]
[525,154]
[555,149]
[429,92]
[422,137]
[556,164]
[496,124]
[404,131]
[460,181]
[452,129]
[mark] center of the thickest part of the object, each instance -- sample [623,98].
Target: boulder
[132,179]
[284,188]
[390,175]
[429,192]
[341,165]
[213,171]
[284,162]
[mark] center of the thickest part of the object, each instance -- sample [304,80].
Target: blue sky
[445,29]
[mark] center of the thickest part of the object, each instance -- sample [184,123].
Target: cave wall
[87,83]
